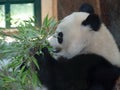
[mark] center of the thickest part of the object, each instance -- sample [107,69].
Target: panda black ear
[86,8]
[93,21]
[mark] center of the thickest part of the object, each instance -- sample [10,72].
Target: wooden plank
[98,7]
[49,7]
[55,9]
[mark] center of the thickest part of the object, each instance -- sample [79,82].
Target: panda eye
[60,34]
[60,37]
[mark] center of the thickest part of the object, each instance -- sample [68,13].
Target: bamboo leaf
[28,36]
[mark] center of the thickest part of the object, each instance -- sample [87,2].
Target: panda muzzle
[56,50]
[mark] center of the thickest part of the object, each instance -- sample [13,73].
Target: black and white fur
[85,56]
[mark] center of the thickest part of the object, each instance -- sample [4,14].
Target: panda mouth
[56,50]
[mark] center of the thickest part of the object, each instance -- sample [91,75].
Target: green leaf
[28,36]
[35,62]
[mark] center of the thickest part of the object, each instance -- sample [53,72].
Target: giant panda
[85,55]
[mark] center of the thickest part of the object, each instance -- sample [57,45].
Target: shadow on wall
[114,17]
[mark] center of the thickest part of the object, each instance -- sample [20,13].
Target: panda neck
[104,45]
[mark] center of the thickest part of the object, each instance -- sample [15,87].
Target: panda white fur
[85,55]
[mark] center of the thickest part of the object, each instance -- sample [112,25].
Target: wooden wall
[110,14]
[66,7]
[49,7]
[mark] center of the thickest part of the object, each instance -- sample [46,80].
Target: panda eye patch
[60,34]
[60,37]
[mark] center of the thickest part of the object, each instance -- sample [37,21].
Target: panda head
[74,33]
[83,33]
